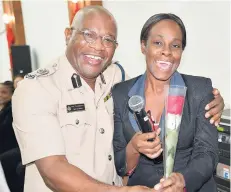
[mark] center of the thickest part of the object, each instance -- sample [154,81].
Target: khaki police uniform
[51,117]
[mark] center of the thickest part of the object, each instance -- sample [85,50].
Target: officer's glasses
[91,36]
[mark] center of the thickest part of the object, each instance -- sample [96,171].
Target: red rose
[175,104]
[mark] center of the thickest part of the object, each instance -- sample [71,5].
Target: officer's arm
[61,176]
[215,107]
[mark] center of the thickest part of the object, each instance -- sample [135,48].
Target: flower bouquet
[174,103]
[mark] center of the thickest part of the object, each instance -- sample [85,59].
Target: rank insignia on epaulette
[108,96]
[38,73]
[30,76]
[42,72]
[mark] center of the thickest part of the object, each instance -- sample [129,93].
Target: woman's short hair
[157,18]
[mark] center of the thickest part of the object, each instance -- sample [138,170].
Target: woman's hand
[174,183]
[151,149]
[215,108]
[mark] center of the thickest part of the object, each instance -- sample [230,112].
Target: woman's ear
[143,47]
[67,33]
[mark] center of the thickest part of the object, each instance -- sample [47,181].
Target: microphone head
[136,103]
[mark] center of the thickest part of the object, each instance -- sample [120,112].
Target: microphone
[136,104]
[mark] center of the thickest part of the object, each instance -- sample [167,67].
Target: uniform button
[76,121]
[109,157]
[101,130]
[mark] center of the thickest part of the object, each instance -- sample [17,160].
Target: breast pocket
[74,127]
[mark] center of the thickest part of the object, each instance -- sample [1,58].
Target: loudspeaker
[21,59]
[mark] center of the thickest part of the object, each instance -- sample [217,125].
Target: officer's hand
[139,189]
[174,183]
[151,149]
[215,108]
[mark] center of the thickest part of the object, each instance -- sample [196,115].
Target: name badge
[75,107]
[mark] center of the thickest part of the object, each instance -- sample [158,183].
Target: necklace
[154,123]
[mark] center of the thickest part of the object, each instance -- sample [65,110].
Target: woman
[163,39]
[10,157]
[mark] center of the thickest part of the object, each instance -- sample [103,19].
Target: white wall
[208,29]
[44,23]
[208,42]
[5,73]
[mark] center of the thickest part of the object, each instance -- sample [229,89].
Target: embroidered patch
[107,97]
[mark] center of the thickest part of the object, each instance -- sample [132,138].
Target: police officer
[63,114]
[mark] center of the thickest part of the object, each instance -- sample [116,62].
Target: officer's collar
[67,72]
